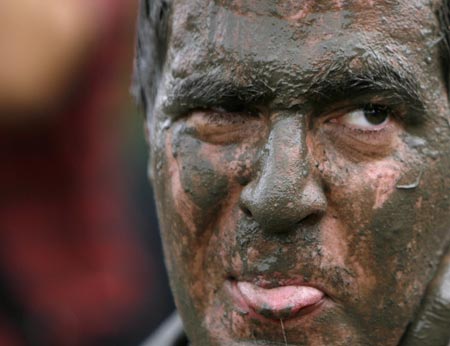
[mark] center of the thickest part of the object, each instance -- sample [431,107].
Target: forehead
[300,36]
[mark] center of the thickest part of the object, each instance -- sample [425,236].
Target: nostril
[247,211]
[310,220]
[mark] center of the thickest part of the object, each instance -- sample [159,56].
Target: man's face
[300,154]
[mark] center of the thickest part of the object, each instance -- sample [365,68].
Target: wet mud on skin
[261,177]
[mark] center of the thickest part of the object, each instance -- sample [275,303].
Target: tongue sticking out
[280,302]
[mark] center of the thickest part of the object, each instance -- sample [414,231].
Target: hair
[153,34]
[153,31]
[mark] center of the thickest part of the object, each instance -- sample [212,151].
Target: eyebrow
[397,85]
[335,82]
[214,90]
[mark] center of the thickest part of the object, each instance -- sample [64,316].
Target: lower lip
[279,303]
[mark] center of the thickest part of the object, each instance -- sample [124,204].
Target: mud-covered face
[300,158]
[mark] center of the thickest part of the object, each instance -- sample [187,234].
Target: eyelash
[394,112]
[220,114]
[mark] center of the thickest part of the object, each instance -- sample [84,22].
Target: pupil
[376,114]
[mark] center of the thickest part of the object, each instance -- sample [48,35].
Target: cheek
[201,187]
[375,221]
[209,175]
[393,230]
[202,184]
[355,190]
[361,195]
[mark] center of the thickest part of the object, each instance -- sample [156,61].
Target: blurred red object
[72,271]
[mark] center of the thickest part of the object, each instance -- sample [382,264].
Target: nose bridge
[283,193]
[285,167]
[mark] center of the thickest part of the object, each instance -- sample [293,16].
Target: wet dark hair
[151,49]
[153,33]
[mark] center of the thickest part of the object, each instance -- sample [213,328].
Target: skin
[266,170]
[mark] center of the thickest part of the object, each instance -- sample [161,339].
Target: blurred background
[80,257]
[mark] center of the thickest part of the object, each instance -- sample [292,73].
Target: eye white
[358,118]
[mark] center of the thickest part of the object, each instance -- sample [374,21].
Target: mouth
[282,302]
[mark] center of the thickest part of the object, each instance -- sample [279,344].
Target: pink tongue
[279,299]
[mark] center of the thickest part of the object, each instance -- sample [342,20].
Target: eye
[366,131]
[219,127]
[370,117]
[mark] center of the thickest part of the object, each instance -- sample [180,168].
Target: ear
[146,132]
[150,171]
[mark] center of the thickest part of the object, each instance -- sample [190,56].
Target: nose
[284,193]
